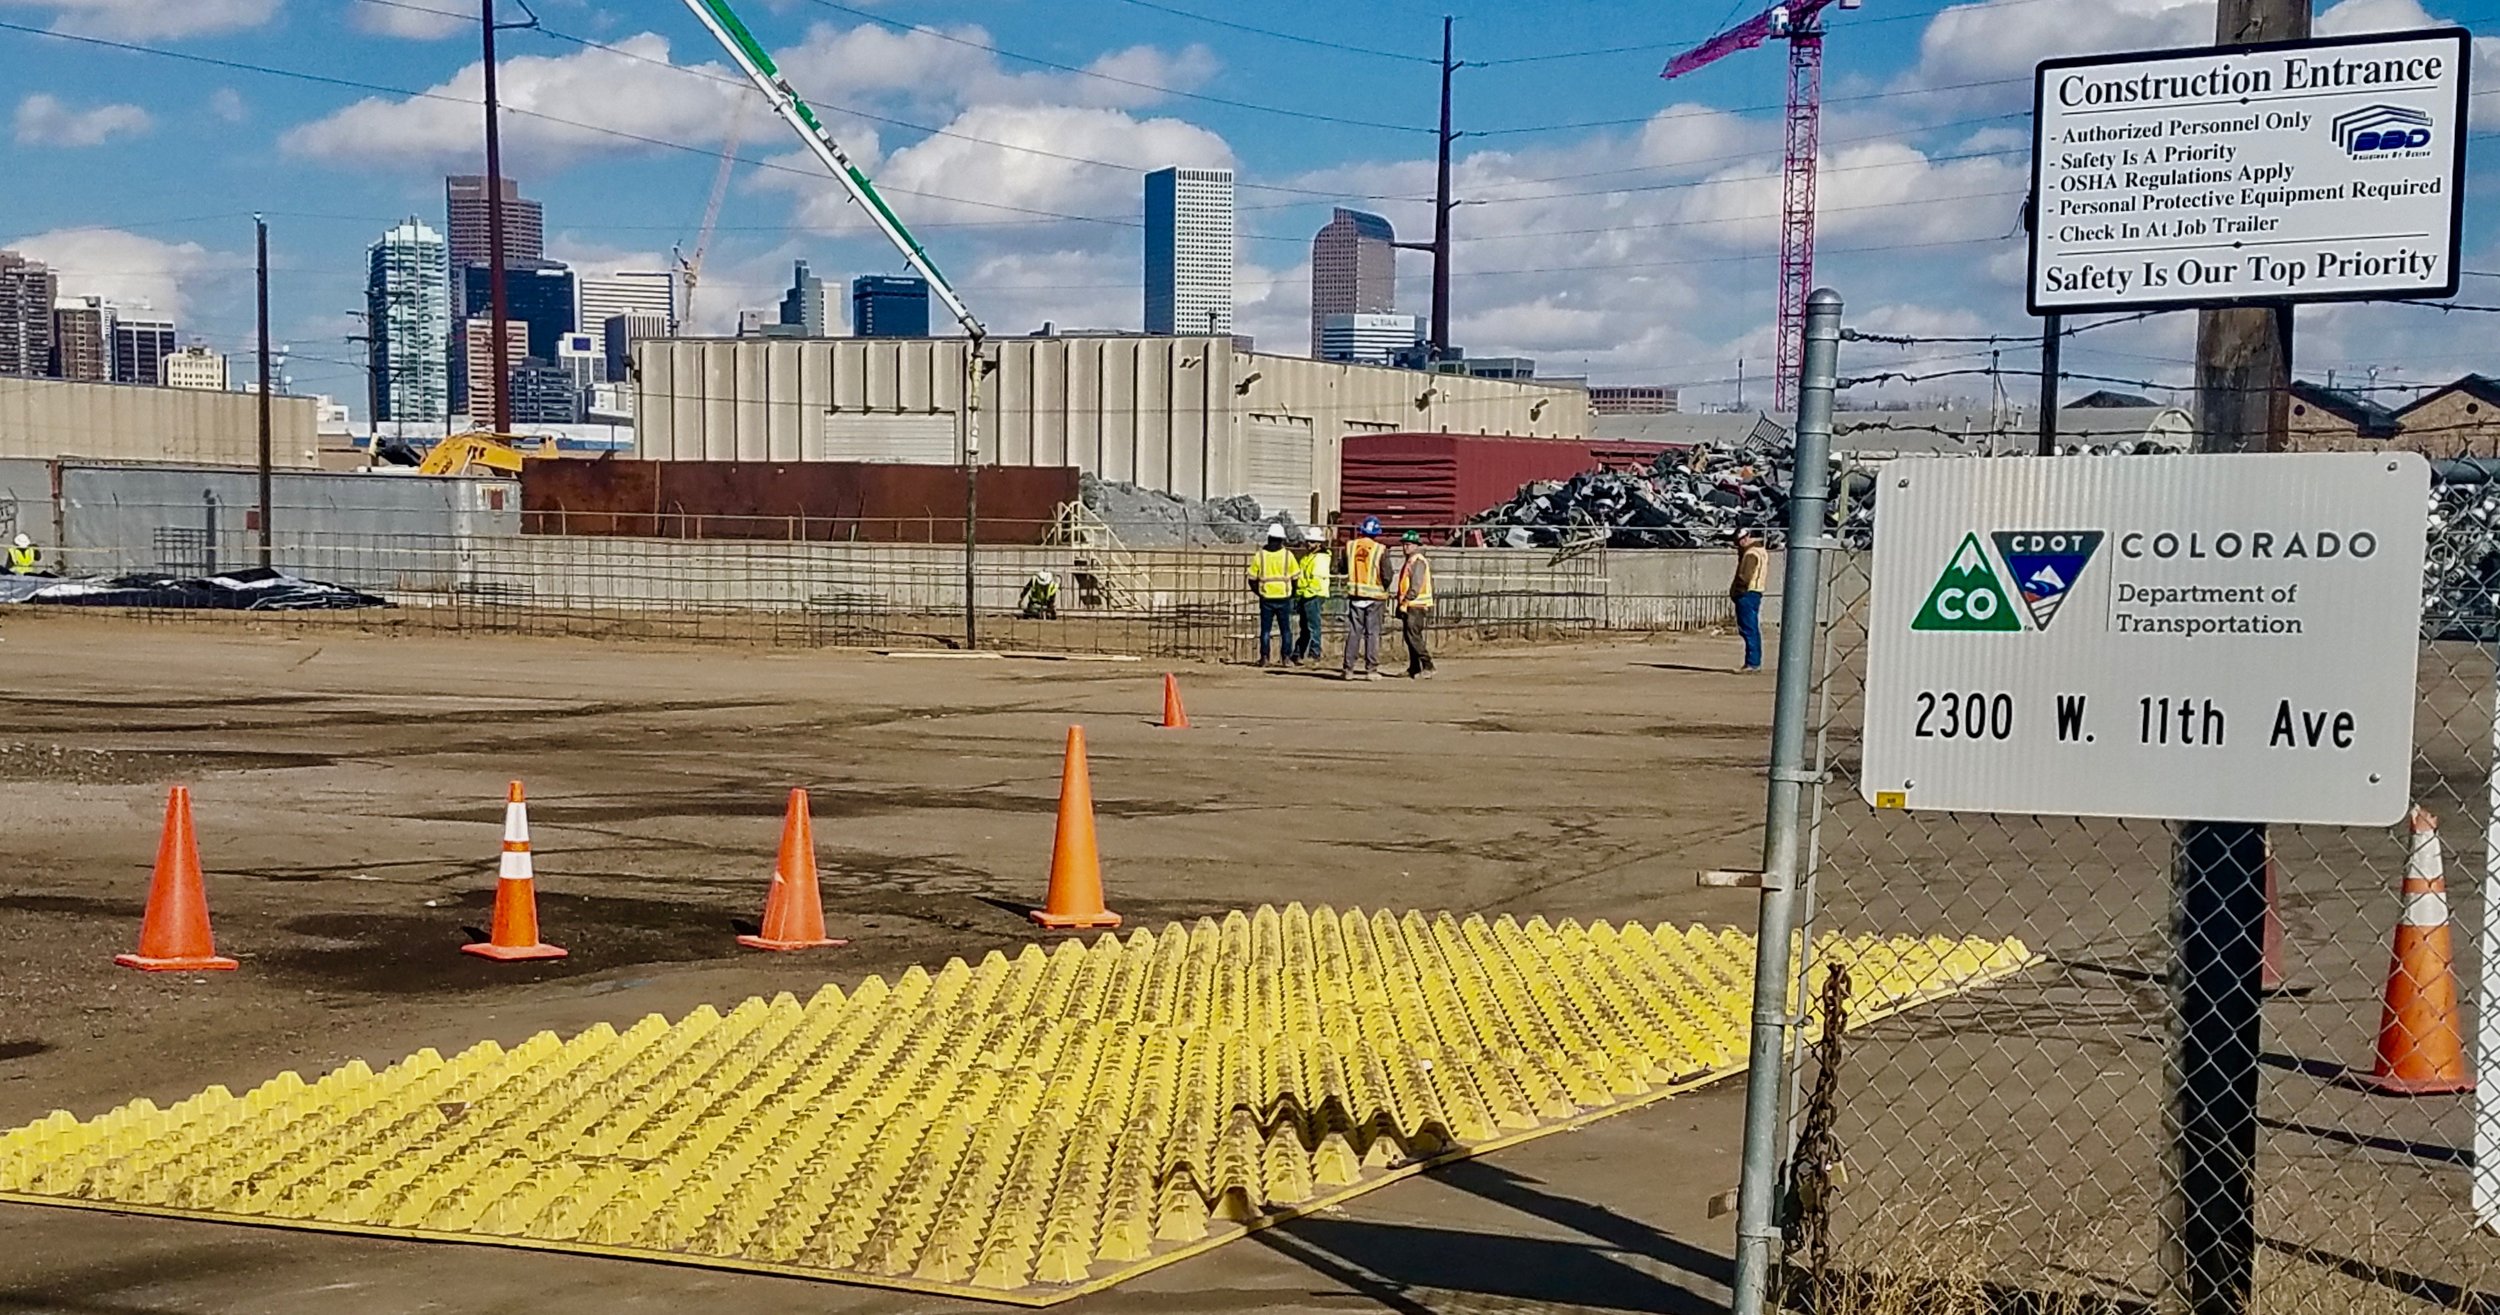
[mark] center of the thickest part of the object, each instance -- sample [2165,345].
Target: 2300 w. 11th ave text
[2165,720]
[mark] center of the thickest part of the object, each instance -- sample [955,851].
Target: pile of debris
[1694,497]
[1145,518]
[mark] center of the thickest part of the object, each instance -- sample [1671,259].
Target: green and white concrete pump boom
[723,23]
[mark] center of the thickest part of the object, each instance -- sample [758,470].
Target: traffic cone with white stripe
[2421,1038]
[514,932]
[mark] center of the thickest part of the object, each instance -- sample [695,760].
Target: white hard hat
[1043,576]
[1275,530]
[23,542]
[1314,534]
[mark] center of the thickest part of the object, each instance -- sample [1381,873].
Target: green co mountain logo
[1968,596]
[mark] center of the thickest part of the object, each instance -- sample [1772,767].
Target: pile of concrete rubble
[1145,518]
[1695,497]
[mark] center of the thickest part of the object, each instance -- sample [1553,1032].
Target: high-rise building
[621,332]
[1189,251]
[408,310]
[82,339]
[803,306]
[543,394]
[27,294]
[472,337]
[887,306]
[583,359]
[627,292]
[140,341]
[1354,269]
[538,293]
[193,367]
[1367,339]
[1631,399]
[464,218]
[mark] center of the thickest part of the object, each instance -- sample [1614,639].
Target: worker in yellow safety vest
[1414,595]
[1271,580]
[22,556]
[1310,592]
[1367,593]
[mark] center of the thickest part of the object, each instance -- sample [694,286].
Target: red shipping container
[1436,481]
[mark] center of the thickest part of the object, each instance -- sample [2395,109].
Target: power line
[1696,39]
[1296,38]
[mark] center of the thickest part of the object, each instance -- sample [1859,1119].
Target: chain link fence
[2009,1148]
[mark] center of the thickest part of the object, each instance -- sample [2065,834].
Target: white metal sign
[2219,638]
[2305,171]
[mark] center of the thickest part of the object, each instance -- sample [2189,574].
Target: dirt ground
[349,792]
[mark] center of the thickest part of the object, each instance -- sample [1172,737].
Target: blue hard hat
[1371,525]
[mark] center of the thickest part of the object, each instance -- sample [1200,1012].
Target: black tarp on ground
[258,589]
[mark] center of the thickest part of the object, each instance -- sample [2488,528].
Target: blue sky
[1626,229]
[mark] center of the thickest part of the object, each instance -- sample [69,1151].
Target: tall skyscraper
[408,309]
[140,341]
[27,293]
[1189,251]
[803,306]
[628,292]
[473,335]
[1367,339]
[621,332]
[1354,269]
[538,293]
[884,306]
[464,217]
[82,339]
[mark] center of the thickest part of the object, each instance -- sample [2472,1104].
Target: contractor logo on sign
[2045,565]
[2374,130]
[1968,595]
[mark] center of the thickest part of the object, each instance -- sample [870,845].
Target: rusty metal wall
[820,501]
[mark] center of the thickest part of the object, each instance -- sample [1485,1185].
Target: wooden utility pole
[1439,246]
[496,335]
[2243,400]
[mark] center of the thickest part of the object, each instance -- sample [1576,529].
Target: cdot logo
[2375,130]
[1968,595]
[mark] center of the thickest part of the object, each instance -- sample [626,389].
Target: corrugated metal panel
[915,439]
[47,418]
[815,500]
[1278,449]
[1421,481]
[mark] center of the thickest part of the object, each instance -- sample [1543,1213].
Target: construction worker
[1041,597]
[1413,592]
[1753,562]
[1367,589]
[1310,592]
[1271,582]
[22,556]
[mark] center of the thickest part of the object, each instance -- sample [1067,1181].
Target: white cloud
[120,266]
[551,103]
[2000,40]
[138,20]
[939,71]
[46,120]
[227,104]
[413,20]
[2352,17]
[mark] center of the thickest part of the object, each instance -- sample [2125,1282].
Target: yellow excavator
[478,452]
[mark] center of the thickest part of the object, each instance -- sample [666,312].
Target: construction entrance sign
[2226,637]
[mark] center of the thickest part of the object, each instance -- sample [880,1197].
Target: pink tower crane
[1800,24]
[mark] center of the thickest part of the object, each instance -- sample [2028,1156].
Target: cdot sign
[2302,171]
[2221,637]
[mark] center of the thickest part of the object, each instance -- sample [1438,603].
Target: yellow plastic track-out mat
[1027,1130]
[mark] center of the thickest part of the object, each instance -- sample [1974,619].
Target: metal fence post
[1757,1187]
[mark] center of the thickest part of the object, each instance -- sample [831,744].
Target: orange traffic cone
[794,914]
[514,932]
[2421,1044]
[1173,718]
[174,936]
[1075,899]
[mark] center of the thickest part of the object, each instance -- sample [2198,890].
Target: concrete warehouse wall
[111,520]
[1188,415]
[131,422]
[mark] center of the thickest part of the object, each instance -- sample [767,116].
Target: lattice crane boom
[1801,25]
